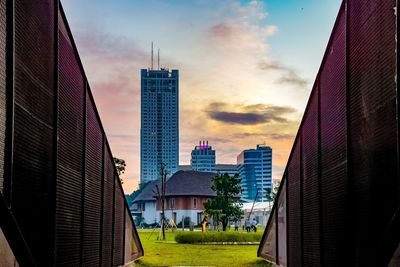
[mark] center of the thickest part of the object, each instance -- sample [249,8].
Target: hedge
[199,237]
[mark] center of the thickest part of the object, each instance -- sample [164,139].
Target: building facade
[185,194]
[255,171]
[230,169]
[159,134]
[203,158]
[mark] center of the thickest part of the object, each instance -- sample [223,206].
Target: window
[195,203]
[144,206]
[172,203]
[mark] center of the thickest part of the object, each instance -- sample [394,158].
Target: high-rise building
[203,158]
[255,172]
[230,169]
[159,133]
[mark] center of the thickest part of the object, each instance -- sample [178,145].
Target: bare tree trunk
[224,225]
[163,178]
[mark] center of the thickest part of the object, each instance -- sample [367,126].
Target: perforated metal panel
[119,224]
[133,248]
[63,196]
[294,206]
[2,88]
[334,147]
[310,153]
[70,156]
[373,125]
[108,210]
[269,246]
[282,225]
[33,171]
[347,206]
[92,196]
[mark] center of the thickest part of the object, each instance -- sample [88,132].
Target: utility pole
[252,207]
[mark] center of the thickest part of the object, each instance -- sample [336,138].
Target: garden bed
[231,238]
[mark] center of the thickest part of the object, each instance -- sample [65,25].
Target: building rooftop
[182,183]
[218,167]
[225,167]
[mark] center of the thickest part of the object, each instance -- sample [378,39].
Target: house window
[172,203]
[144,206]
[195,203]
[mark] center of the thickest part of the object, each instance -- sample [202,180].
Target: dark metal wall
[2,87]
[341,185]
[60,183]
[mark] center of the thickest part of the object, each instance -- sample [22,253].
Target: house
[185,194]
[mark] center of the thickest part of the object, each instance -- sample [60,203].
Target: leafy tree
[139,190]
[120,165]
[225,206]
[271,194]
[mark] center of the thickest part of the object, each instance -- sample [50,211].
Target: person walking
[236,226]
[247,225]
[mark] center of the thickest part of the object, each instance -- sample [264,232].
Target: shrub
[199,237]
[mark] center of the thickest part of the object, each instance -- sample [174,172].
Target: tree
[120,166]
[225,206]
[139,190]
[271,194]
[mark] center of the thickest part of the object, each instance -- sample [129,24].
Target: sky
[246,69]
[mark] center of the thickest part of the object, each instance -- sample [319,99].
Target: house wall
[184,207]
[185,203]
[150,215]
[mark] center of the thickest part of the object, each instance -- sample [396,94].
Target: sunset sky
[246,69]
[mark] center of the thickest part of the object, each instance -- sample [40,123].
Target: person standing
[247,225]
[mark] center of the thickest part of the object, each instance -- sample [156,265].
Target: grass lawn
[161,253]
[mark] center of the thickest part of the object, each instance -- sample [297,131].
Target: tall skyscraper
[159,133]
[255,172]
[203,158]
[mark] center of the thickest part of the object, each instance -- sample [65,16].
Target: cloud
[248,115]
[217,51]
[112,63]
[272,65]
[274,136]
[289,75]
[237,118]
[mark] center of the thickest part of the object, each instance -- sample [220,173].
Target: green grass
[230,236]
[168,253]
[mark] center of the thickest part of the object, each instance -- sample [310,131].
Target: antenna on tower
[158,55]
[151,55]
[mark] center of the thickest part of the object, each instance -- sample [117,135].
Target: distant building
[260,211]
[185,168]
[203,158]
[255,172]
[159,133]
[230,169]
[186,192]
